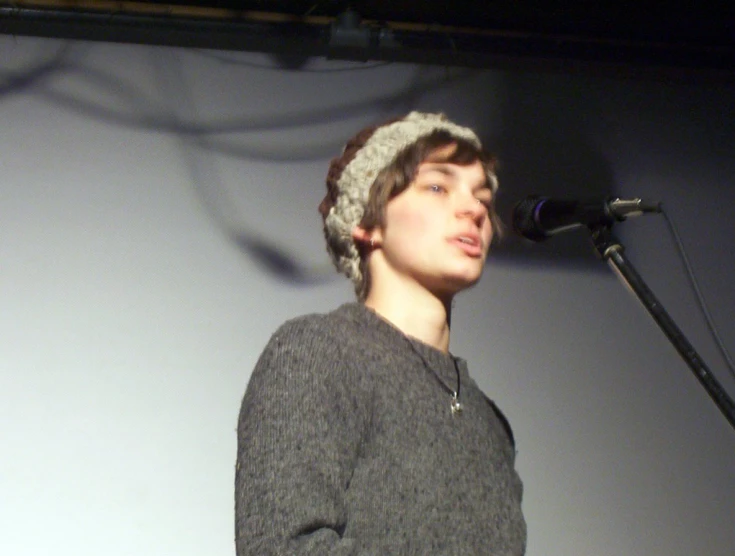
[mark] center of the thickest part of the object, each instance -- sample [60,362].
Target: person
[359,432]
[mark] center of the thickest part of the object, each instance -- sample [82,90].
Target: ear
[363,236]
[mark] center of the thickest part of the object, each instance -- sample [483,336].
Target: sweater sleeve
[300,430]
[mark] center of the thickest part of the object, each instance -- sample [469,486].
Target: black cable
[698,294]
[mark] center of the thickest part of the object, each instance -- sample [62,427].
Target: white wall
[146,194]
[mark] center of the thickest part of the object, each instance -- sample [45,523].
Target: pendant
[456,406]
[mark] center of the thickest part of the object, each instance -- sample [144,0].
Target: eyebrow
[442,167]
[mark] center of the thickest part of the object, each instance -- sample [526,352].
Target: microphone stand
[611,250]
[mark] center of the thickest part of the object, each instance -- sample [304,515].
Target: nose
[470,206]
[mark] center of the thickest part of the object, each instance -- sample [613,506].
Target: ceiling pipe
[348,37]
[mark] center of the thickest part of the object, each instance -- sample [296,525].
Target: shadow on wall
[546,148]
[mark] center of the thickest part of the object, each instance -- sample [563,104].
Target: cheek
[409,226]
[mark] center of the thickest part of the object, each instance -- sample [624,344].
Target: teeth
[466,240]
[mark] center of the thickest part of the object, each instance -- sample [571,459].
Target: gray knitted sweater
[347,445]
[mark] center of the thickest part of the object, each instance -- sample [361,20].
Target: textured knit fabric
[347,445]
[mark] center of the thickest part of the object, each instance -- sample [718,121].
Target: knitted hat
[344,206]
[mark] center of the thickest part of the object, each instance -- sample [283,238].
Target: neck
[414,311]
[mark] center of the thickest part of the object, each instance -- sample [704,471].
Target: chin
[458,281]
[471,273]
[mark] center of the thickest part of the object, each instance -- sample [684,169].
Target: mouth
[470,244]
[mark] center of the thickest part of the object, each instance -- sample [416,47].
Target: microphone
[538,218]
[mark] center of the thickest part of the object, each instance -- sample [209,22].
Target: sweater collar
[387,333]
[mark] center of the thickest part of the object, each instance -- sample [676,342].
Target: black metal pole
[611,250]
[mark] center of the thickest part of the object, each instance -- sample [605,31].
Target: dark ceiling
[694,38]
[704,22]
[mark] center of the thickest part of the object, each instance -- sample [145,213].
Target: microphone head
[538,218]
[524,221]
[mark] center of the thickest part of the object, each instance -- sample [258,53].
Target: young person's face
[438,231]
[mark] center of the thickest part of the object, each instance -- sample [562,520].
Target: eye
[488,203]
[486,198]
[436,188]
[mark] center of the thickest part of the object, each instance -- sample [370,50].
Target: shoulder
[319,346]
[503,421]
[308,363]
[324,331]
[502,424]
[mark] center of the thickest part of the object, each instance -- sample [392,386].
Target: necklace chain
[455,405]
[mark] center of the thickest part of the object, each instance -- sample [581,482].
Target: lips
[469,243]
